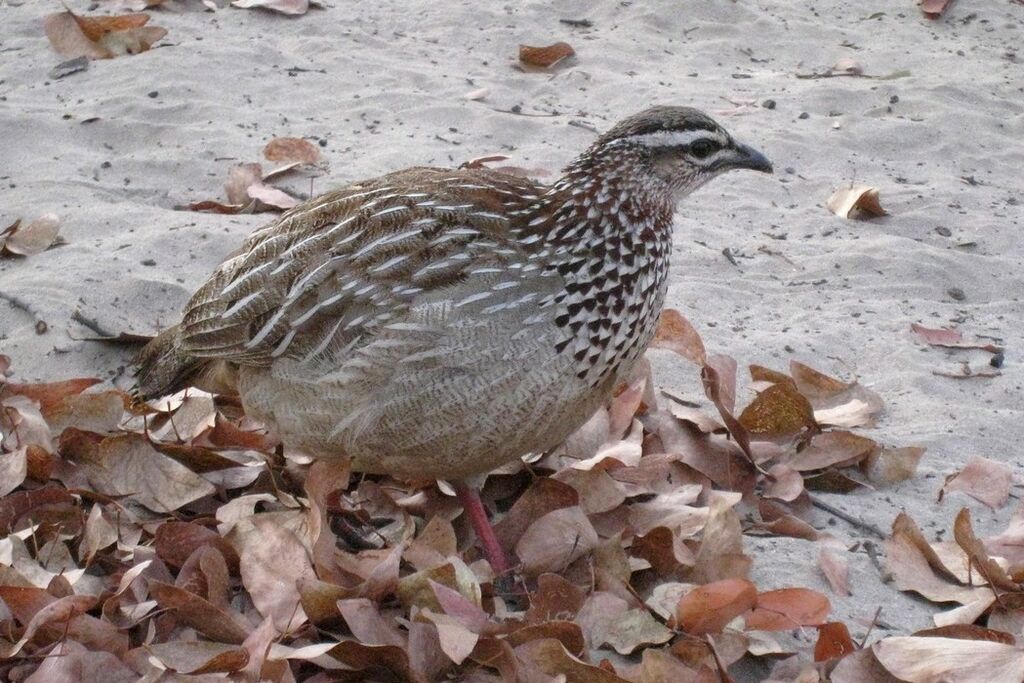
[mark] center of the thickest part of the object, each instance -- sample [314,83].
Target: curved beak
[748,157]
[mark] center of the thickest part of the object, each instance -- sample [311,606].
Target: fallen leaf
[988,481]
[779,412]
[273,560]
[893,465]
[708,608]
[933,9]
[34,238]
[677,334]
[855,201]
[833,642]
[549,657]
[934,660]
[849,66]
[240,178]
[968,632]
[292,7]
[545,57]
[291,149]
[271,196]
[832,449]
[128,465]
[950,339]
[836,570]
[552,542]
[100,37]
[788,608]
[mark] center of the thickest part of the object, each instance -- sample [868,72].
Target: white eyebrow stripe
[672,138]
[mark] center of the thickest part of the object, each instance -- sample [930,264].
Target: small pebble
[894,99]
[804,115]
[154,93]
[956,293]
[149,262]
[768,104]
[944,231]
[997,360]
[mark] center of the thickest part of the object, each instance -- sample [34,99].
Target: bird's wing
[344,264]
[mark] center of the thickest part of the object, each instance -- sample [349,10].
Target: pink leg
[474,507]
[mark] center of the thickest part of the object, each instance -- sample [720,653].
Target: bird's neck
[606,228]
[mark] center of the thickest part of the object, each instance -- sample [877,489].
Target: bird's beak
[748,157]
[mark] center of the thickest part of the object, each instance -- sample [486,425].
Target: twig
[579,123]
[577,23]
[849,519]
[22,305]
[518,111]
[78,317]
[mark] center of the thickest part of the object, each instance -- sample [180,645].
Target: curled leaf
[856,201]
[545,57]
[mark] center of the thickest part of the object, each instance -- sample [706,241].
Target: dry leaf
[788,608]
[291,149]
[676,333]
[552,542]
[545,57]
[101,37]
[933,9]
[855,201]
[982,479]
[833,642]
[292,7]
[708,608]
[936,660]
[34,238]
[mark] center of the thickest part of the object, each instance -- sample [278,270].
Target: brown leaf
[199,657]
[367,624]
[291,149]
[893,465]
[555,598]
[545,57]
[933,9]
[48,394]
[708,608]
[34,238]
[210,206]
[176,541]
[101,37]
[555,540]
[988,481]
[676,333]
[543,496]
[836,570]
[273,560]
[607,619]
[784,483]
[833,642]
[271,196]
[832,449]
[240,178]
[291,7]
[968,632]
[778,412]
[202,615]
[13,470]
[61,610]
[721,550]
[950,339]
[77,662]
[549,657]
[949,659]
[788,608]
[856,201]
[128,465]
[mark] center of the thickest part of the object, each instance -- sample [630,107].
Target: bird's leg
[474,507]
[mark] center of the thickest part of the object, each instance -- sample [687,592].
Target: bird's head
[680,146]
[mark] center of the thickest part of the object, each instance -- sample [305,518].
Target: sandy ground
[381,86]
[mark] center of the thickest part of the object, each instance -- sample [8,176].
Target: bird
[437,323]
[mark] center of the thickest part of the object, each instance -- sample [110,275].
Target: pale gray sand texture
[382,84]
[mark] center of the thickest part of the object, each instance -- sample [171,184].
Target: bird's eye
[702,149]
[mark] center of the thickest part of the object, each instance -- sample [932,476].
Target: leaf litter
[183,537]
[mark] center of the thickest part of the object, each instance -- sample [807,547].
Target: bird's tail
[163,367]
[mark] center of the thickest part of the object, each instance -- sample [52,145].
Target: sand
[760,266]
